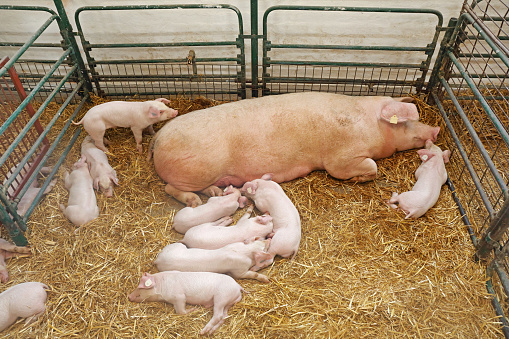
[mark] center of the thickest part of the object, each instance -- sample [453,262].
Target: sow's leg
[192,199]
[189,198]
[363,170]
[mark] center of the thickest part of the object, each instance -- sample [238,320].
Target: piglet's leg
[255,275]
[8,247]
[247,214]
[138,137]
[189,198]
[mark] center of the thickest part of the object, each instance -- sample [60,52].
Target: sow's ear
[405,99]
[396,112]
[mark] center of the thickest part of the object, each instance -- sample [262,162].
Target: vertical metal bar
[444,46]
[254,47]
[494,233]
[67,34]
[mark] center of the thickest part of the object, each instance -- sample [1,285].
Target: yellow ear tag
[249,190]
[148,283]
[424,157]
[394,119]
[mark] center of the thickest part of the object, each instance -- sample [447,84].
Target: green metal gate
[342,71]
[30,83]
[215,69]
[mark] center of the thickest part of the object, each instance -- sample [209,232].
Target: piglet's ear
[446,154]
[146,281]
[163,100]
[425,154]
[260,258]
[153,112]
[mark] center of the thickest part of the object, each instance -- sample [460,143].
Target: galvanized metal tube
[494,233]
[254,48]
[498,308]
[500,181]
[23,104]
[464,156]
[29,125]
[495,46]
[496,122]
[26,45]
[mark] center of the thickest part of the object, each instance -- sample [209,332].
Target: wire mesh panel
[473,99]
[351,41]
[206,66]
[38,82]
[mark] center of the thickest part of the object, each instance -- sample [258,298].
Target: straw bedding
[362,270]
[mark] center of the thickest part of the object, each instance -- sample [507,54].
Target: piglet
[430,175]
[8,250]
[33,190]
[82,203]
[195,288]
[136,115]
[214,209]
[212,236]
[102,173]
[270,197]
[25,300]
[234,259]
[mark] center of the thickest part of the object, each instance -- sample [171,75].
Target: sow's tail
[151,146]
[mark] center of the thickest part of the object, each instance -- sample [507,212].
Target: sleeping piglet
[234,259]
[214,209]
[82,203]
[8,250]
[102,173]
[33,190]
[213,236]
[195,288]
[136,115]
[270,197]
[25,300]
[430,175]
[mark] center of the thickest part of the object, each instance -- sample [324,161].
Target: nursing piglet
[8,250]
[195,288]
[211,236]
[25,300]
[234,259]
[82,203]
[103,175]
[430,175]
[270,197]
[214,209]
[136,115]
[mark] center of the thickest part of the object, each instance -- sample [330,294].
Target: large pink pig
[8,250]
[214,209]
[102,173]
[234,259]
[288,135]
[82,203]
[195,288]
[25,300]
[430,175]
[213,236]
[133,114]
[270,197]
